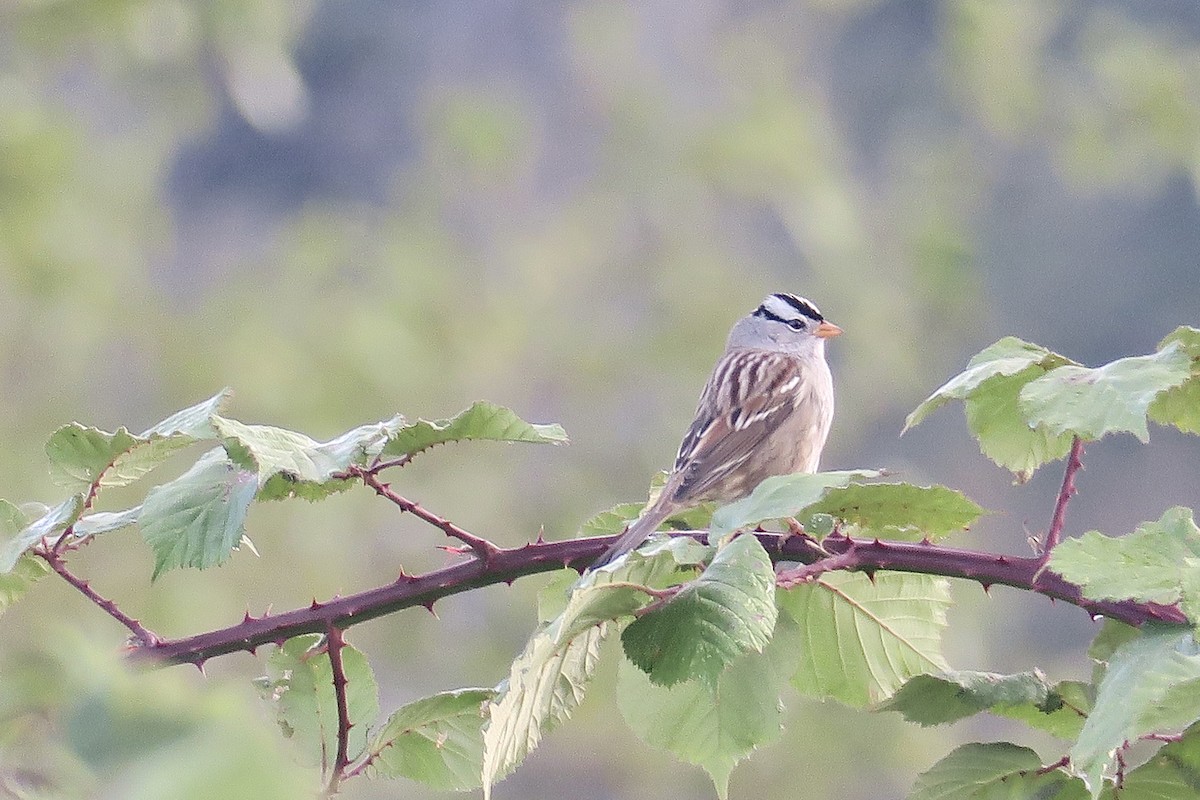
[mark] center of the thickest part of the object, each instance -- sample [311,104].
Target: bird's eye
[796,324]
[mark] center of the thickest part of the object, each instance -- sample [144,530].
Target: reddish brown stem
[335,641]
[787,579]
[482,547]
[507,565]
[142,636]
[1057,522]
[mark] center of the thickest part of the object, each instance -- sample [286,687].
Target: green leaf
[727,611]
[197,519]
[482,421]
[899,510]
[1062,714]
[81,455]
[1180,405]
[1170,774]
[1114,398]
[993,771]
[299,682]
[106,521]
[782,496]
[54,521]
[717,726]
[937,699]
[13,584]
[545,684]
[951,696]
[194,421]
[1008,357]
[1157,563]
[612,521]
[355,447]
[548,680]
[1003,433]
[1151,682]
[436,740]
[290,464]
[867,636]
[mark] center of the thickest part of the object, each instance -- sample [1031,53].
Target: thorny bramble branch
[334,642]
[505,566]
[1074,464]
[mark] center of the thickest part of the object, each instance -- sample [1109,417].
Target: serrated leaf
[727,611]
[436,740]
[1170,774]
[714,727]
[81,455]
[947,697]
[545,684]
[299,682]
[1003,433]
[14,584]
[54,521]
[866,636]
[1180,405]
[1008,357]
[482,421]
[1062,714]
[290,464]
[782,496]
[1137,695]
[899,510]
[612,521]
[194,421]
[1115,398]
[1157,563]
[993,771]
[197,519]
[548,680]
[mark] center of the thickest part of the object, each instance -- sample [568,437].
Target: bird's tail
[638,531]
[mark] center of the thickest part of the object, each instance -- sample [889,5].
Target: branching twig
[483,548]
[1062,763]
[1054,534]
[507,565]
[786,579]
[335,641]
[143,637]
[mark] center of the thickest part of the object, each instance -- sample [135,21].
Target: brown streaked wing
[717,444]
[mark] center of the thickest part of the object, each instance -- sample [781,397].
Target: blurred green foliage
[345,210]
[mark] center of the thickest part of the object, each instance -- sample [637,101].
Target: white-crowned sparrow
[765,411]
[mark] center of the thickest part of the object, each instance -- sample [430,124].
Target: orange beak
[827,330]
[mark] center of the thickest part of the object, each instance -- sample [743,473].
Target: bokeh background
[349,208]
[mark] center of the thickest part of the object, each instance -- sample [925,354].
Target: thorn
[315,605]
[200,666]
[987,588]
[509,582]
[455,550]
[247,617]
[1001,559]
[541,539]
[429,608]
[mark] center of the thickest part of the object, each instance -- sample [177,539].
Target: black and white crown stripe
[783,307]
